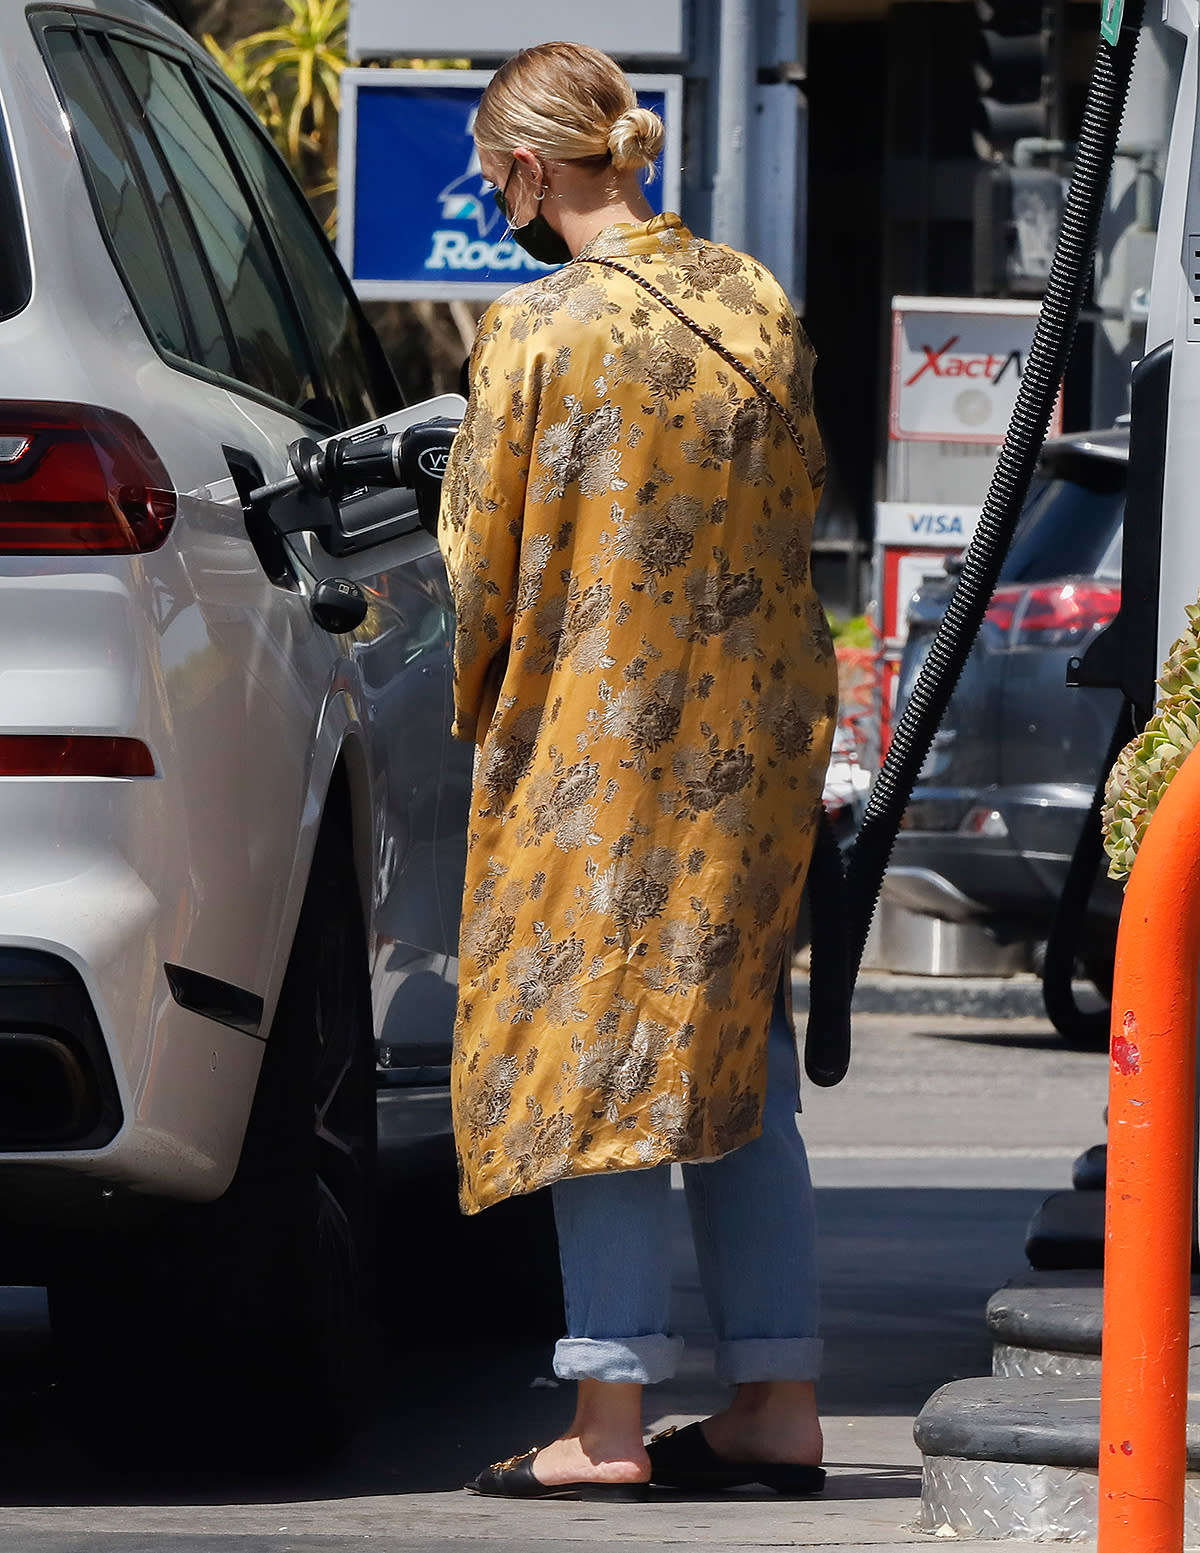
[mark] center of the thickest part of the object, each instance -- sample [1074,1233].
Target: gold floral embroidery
[648,673]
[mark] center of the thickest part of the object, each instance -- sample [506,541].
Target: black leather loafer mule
[514,1479]
[683,1458]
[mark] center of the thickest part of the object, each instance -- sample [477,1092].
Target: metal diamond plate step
[1067,1231]
[1048,1324]
[1050,1327]
[1013,1363]
[1017,1458]
[1007,1499]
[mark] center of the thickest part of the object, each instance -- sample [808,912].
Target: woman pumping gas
[648,675]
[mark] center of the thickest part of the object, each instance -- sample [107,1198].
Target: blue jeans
[755,1235]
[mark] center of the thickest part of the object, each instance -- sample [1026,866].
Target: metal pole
[1148,1199]
[1125,248]
[736,77]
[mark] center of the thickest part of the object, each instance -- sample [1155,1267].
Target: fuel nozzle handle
[342,465]
[371,461]
[415,458]
[424,454]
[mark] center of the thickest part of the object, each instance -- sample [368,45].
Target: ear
[531,165]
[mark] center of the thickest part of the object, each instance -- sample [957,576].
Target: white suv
[231,835]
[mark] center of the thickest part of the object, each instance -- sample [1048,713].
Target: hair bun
[635,139]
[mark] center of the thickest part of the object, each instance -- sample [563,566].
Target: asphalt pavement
[928,1162]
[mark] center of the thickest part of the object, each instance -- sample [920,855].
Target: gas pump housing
[1174,326]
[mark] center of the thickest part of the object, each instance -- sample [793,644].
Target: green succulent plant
[1146,765]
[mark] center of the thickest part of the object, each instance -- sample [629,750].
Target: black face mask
[538,238]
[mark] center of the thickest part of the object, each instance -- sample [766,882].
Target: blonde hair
[570,103]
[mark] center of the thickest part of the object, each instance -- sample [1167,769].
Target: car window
[1066,530]
[210,344]
[120,202]
[271,351]
[353,369]
[15,278]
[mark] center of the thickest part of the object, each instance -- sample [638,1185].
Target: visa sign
[917,525]
[936,525]
[416,217]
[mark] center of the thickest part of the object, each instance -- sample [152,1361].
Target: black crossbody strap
[726,355]
[827,1040]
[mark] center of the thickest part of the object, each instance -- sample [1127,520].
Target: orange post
[1148,1208]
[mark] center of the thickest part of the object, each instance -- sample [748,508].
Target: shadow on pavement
[906,1275]
[862,1480]
[1038,1038]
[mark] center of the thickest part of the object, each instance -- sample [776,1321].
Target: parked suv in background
[231,839]
[992,824]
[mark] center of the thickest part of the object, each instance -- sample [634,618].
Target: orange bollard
[1151,1166]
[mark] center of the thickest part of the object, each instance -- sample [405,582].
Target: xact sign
[956,367]
[415,215]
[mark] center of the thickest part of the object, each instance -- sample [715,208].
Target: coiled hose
[831,982]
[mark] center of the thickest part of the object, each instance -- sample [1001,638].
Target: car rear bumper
[57,1087]
[163,1092]
[1015,877]
[965,879]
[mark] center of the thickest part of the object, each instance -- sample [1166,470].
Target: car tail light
[1054,614]
[1004,606]
[1058,613]
[73,755]
[77,480]
[985,821]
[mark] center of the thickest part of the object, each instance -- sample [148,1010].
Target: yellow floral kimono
[648,674]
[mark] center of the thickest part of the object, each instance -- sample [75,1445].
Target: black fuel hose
[827,1047]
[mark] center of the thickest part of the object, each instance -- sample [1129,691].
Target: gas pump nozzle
[415,458]
[342,464]
[351,463]
[331,470]
[424,455]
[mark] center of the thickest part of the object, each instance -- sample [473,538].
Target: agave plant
[291,75]
[245,76]
[1146,765]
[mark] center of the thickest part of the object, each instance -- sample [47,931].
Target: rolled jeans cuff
[769,1358]
[642,1360]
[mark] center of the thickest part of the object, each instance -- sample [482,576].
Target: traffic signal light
[1018,211]
[1018,74]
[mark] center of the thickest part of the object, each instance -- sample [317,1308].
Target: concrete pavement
[928,1163]
[122,1542]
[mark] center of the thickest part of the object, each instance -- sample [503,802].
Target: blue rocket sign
[415,216]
